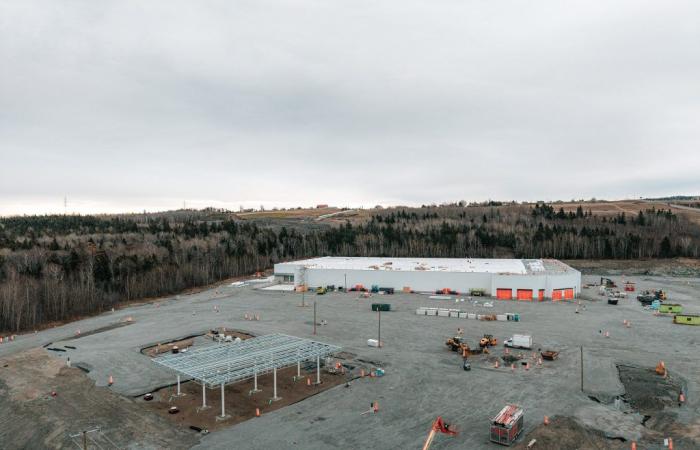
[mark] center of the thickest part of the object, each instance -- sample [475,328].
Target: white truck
[519,341]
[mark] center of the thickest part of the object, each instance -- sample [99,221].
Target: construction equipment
[612,301]
[488,341]
[629,286]
[607,282]
[507,425]
[457,344]
[439,426]
[320,290]
[646,297]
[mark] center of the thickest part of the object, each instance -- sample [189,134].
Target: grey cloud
[132,104]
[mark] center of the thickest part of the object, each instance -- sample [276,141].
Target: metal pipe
[204,394]
[178,385]
[274,383]
[255,381]
[223,412]
[318,370]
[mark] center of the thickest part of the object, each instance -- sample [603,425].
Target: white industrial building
[522,279]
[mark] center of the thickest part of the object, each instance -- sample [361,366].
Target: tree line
[57,268]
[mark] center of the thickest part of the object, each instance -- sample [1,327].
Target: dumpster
[667,308]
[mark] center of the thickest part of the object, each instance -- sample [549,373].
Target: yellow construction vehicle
[320,290]
[488,341]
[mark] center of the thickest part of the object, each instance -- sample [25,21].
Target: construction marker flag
[440,426]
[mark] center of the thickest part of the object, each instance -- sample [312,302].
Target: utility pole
[346,282]
[314,317]
[582,368]
[84,440]
[379,329]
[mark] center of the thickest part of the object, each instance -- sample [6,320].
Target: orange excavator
[439,426]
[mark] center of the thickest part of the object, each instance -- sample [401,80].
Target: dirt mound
[647,392]
[565,432]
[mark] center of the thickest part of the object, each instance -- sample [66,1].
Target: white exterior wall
[417,281]
[430,281]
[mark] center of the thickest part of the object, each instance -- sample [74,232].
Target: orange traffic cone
[634,446]
[497,364]
[546,420]
[681,398]
[362,373]
[527,366]
[375,407]
[670,444]
[111,381]
[607,334]
[512,367]
[257,412]
[308,381]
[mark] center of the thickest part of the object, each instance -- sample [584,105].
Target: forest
[61,267]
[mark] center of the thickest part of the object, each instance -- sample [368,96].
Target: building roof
[469,265]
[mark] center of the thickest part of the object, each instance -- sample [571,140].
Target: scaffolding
[226,363]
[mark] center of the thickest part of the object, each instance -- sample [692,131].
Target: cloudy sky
[132,105]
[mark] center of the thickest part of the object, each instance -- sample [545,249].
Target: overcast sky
[132,105]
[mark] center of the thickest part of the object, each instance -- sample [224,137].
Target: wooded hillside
[55,268]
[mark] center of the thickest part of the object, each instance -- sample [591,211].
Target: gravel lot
[423,378]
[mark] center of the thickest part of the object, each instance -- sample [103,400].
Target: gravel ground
[423,378]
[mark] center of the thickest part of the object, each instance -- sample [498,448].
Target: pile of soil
[27,381]
[167,347]
[647,392]
[565,432]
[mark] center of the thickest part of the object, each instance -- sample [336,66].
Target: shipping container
[507,425]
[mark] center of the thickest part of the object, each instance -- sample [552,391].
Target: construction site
[331,360]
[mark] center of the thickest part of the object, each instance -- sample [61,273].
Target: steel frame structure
[226,363]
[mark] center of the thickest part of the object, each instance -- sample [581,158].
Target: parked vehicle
[519,341]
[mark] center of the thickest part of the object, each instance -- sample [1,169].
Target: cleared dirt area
[677,267]
[240,401]
[186,343]
[632,207]
[566,433]
[32,416]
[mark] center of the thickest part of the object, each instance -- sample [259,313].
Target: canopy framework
[229,363]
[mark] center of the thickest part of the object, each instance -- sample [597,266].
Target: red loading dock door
[525,294]
[504,294]
[569,294]
[541,295]
[557,294]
